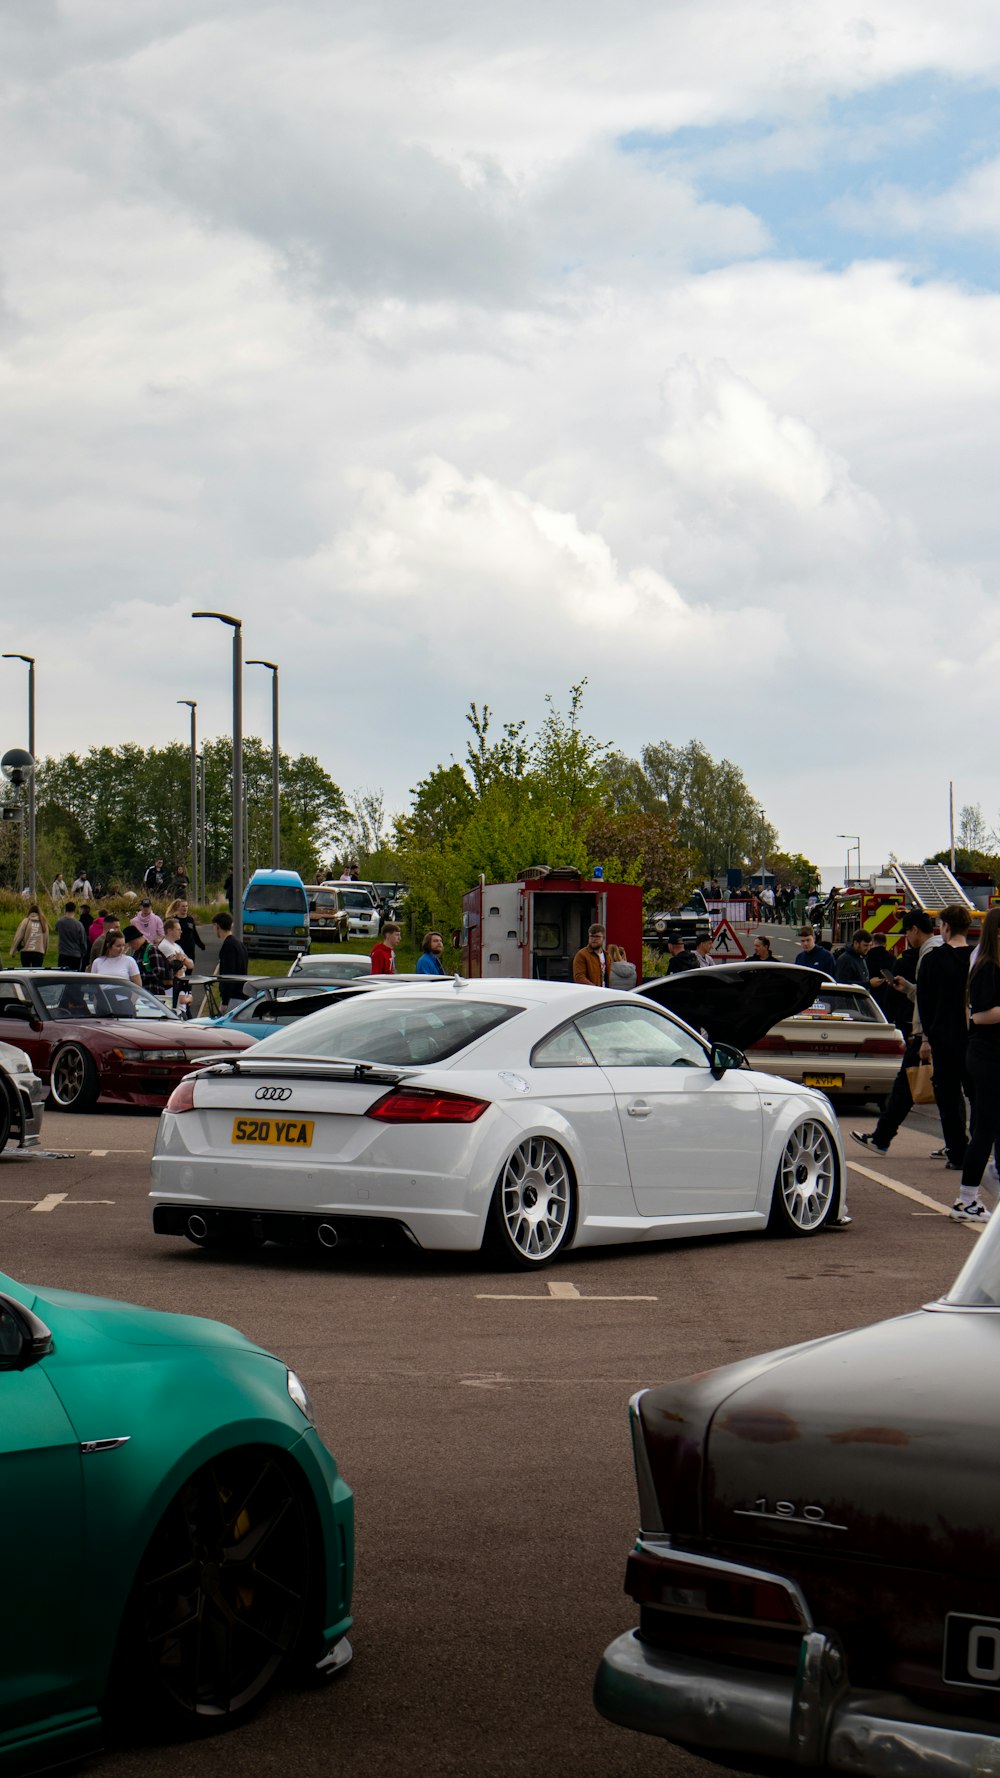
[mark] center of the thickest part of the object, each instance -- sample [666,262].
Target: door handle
[638,1108]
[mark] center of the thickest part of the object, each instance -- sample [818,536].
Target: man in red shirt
[384,950]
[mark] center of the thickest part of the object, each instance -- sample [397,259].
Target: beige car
[842,1043]
[793,1022]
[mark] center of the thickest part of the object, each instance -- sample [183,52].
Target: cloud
[364,323]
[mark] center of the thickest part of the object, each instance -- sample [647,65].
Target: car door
[567,1077]
[693,1142]
[41,1511]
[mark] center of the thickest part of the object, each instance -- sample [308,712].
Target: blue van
[275,914]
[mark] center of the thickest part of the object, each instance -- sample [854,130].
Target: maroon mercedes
[93,1037]
[818,1570]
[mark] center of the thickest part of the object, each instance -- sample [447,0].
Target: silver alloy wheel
[807,1175]
[535,1198]
[69,1076]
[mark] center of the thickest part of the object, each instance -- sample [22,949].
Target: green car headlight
[300,1395]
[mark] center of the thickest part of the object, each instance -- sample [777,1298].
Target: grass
[13,910]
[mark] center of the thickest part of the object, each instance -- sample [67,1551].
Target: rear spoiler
[305,1068]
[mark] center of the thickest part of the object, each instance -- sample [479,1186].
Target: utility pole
[236,625]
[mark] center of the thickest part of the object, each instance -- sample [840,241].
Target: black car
[817,1572]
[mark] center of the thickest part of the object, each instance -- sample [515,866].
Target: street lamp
[275,822]
[30,660]
[236,625]
[855,848]
[192,706]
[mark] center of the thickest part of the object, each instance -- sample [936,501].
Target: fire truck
[535,926]
[878,905]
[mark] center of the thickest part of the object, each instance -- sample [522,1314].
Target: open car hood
[737,1002]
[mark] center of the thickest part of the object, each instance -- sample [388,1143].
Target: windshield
[857,1007]
[274,898]
[384,1028]
[110,999]
[325,898]
[358,898]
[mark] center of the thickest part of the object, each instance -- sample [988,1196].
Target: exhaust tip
[327,1235]
[197,1228]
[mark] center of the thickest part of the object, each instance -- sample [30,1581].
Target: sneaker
[939,1154]
[867,1141]
[953,1166]
[969,1210]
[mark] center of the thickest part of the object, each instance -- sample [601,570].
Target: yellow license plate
[274,1132]
[823,1080]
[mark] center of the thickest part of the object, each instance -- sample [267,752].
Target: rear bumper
[812,1720]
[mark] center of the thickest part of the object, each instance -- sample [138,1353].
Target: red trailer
[535,927]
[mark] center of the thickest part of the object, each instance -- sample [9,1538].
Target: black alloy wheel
[223,1593]
[73,1084]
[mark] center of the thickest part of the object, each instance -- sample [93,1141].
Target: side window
[637,1037]
[564,1049]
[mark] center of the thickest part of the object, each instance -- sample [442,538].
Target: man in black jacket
[233,960]
[680,957]
[941,992]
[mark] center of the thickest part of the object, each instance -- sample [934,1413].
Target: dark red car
[818,1569]
[94,1038]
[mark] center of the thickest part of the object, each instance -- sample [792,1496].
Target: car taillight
[770,1043]
[883,1046]
[416,1106]
[710,1591]
[182,1097]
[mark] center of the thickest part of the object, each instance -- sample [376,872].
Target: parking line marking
[50,1202]
[54,1199]
[558,1292]
[909,1191]
[102,1153]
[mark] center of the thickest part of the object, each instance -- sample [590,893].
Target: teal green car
[175,1533]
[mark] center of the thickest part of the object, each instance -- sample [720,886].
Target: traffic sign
[726,947]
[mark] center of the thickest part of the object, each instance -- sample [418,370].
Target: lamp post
[275,821]
[236,625]
[856,847]
[30,660]
[192,706]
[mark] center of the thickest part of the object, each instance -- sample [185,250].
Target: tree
[973,833]
[635,847]
[717,815]
[571,765]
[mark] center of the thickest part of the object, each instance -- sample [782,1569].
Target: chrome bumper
[813,1720]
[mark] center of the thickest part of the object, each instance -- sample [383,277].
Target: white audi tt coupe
[538,1116]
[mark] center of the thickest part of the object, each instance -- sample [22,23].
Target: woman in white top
[116,959]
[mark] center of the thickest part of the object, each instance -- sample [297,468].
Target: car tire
[207,1633]
[805,1185]
[6,1117]
[532,1213]
[73,1082]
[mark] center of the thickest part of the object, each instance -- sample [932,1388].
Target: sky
[465,352]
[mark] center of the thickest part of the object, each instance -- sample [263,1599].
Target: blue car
[274,1004]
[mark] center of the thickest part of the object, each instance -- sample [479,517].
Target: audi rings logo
[273,1093]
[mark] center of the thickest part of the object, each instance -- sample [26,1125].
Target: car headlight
[247,927]
[300,1395]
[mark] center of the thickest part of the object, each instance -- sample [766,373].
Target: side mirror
[35,1023]
[723,1057]
[24,1339]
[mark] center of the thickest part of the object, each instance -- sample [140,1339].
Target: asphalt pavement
[481,1420]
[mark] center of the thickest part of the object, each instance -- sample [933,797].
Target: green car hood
[73,1316]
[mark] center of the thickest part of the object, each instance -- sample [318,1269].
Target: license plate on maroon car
[972,1651]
